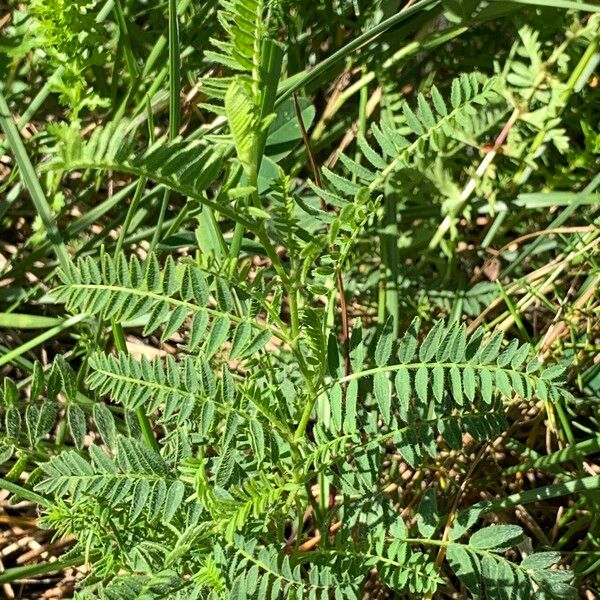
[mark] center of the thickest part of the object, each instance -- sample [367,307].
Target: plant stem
[585,484]
[18,490]
[28,571]
[131,211]
[40,339]
[294,293]
[339,277]
[174,106]
[142,417]
[125,38]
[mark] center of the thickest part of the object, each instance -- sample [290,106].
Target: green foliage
[432,124]
[73,41]
[243,22]
[132,290]
[446,384]
[188,168]
[249,95]
[304,347]
[482,568]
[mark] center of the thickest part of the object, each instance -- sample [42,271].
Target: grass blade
[31,182]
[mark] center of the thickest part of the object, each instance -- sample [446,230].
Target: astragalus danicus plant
[307,306]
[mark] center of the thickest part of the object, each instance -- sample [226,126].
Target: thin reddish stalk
[340,280]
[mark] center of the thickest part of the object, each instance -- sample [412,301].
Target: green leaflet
[496,537]
[427,519]
[77,424]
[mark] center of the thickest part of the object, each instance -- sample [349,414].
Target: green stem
[294,294]
[126,40]
[236,241]
[586,484]
[312,398]
[132,210]
[21,492]
[40,339]
[174,72]
[142,417]
[174,106]
[28,571]
[160,221]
